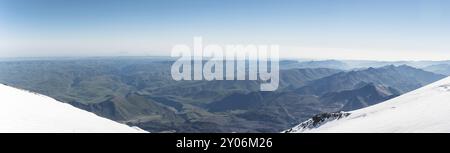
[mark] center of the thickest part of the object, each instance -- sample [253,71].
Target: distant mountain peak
[404,78]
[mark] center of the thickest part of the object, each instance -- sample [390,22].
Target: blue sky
[340,29]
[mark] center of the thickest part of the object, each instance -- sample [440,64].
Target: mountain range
[140,92]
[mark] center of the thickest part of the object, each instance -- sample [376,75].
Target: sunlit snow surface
[23,111]
[424,110]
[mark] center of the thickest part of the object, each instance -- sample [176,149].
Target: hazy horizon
[382,30]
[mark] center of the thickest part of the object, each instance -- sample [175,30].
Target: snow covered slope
[23,111]
[424,110]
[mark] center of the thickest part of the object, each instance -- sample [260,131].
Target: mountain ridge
[24,111]
[422,110]
[403,78]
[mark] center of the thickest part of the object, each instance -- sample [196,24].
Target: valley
[140,92]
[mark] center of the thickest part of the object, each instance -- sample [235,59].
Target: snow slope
[23,111]
[424,110]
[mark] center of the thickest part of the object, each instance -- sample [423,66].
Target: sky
[319,29]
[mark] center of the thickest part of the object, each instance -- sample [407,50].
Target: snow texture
[423,110]
[26,112]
